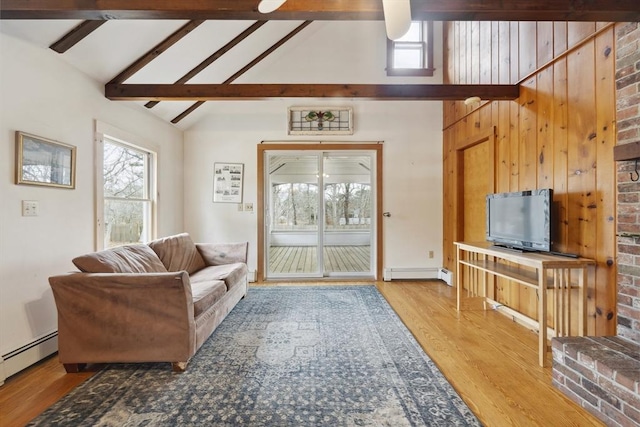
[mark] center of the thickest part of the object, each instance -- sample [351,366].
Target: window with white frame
[412,55]
[128,193]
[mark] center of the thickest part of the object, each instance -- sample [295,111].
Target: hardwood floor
[490,361]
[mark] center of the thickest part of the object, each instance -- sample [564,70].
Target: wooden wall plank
[528,49]
[605,289]
[582,159]
[578,31]
[475,52]
[514,54]
[544,43]
[503,163]
[495,52]
[504,52]
[527,159]
[560,154]
[545,147]
[559,38]
[485,57]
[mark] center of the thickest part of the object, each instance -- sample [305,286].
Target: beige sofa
[147,303]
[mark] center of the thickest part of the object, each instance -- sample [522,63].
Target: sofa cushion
[178,253]
[121,259]
[223,253]
[232,274]
[205,294]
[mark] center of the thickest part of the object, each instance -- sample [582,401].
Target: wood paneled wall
[559,134]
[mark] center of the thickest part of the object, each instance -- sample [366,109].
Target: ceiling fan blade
[268,6]
[397,17]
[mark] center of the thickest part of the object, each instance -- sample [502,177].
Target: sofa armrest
[112,317]
[223,253]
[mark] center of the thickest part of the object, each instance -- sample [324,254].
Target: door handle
[386,214]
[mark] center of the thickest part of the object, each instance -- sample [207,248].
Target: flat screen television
[520,220]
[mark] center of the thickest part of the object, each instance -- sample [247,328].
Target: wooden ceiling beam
[74,36]
[156,51]
[325,10]
[214,57]
[247,67]
[210,92]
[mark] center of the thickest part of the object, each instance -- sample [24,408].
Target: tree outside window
[127,194]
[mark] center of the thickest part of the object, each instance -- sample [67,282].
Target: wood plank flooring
[302,259]
[490,361]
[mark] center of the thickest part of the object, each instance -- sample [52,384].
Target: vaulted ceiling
[149,51]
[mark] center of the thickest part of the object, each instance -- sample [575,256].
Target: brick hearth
[602,374]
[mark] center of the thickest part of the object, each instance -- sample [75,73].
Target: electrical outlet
[248,207]
[29,208]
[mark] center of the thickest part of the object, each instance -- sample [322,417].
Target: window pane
[409,57]
[414,33]
[124,172]
[295,206]
[124,222]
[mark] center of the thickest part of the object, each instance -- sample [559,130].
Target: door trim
[262,147]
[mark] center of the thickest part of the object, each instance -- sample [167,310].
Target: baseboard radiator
[25,356]
[409,273]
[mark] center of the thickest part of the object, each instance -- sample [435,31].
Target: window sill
[410,72]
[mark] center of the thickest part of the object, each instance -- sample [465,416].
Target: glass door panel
[348,201]
[319,211]
[292,222]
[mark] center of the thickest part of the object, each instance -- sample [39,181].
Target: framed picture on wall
[42,161]
[227,182]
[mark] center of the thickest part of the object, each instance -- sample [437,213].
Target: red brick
[616,416]
[582,393]
[626,113]
[585,372]
[605,370]
[632,413]
[632,291]
[626,380]
[628,135]
[628,197]
[619,393]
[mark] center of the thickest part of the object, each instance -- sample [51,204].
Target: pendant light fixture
[397,15]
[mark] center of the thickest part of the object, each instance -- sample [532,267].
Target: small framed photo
[41,161]
[227,182]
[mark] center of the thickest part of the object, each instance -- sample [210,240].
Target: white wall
[346,52]
[40,94]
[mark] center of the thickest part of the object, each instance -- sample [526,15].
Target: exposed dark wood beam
[325,10]
[207,92]
[212,58]
[70,39]
[156,51]
[247,67]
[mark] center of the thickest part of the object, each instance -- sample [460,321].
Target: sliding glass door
[319,214]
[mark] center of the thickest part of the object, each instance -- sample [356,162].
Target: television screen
[521,219]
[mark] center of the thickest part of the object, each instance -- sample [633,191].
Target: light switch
[29,208]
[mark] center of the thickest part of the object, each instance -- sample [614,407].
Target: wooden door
[476,185]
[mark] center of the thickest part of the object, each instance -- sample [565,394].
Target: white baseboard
[446,276]
[409,273]
[25,356]
[251,276]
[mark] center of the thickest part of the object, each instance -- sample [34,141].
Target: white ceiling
[115,45]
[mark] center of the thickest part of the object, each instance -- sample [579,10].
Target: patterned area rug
[285,356]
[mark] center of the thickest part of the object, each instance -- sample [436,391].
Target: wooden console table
[480,262]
